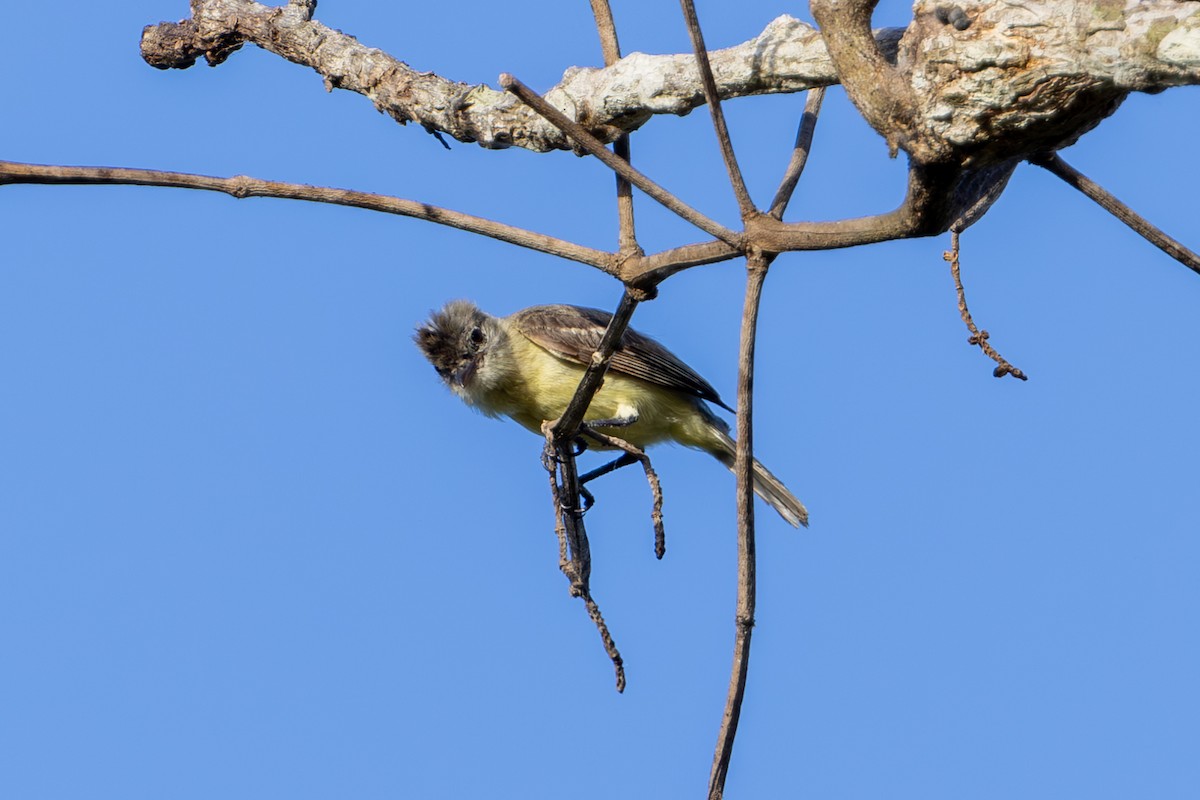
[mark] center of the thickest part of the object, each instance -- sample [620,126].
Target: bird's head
[457,340]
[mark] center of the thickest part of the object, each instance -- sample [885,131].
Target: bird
[527,366]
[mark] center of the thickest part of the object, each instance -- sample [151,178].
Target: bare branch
[713,98]
[1005,80]
[572,417]
[788,56]
[885,99]
[574,552]
[649,271]
[607,28]
[977,337]
[242,186]
[795,167]
[757,265]
[1143,227]
[596,148]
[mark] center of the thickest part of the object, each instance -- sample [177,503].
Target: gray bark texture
[974,83]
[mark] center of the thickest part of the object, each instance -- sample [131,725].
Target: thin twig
[713,98]
[568,424]
[800,151]
[606,27]
[1143,227]
[559,435]
[977,336]
[757,265]
[610,646]
[595,147]
[656,516]
[241,186]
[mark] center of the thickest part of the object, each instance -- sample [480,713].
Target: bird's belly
[658,410]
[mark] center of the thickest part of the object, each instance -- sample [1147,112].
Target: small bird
[527,366]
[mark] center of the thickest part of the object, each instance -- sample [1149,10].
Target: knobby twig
[1143,227]
[977,336]
[242,186]
[757,265]
[559,457]
[639,456]
[574,553]
[713,98]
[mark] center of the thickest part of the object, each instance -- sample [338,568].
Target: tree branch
[713,99]
[795,167]
[596,148]
[788,56]
[1054,164]
[627,237]
[757,265]
[242,186]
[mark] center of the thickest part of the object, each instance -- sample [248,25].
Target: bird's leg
[624,460]
[589,499]
[587,428]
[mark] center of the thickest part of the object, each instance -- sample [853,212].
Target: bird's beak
[462,376]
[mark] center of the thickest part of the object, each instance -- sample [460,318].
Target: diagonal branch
[713,98]
[242,186]
[795,167]
[1143,227]
[566,425]
[595,147]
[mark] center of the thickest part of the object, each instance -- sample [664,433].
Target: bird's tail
[766,485]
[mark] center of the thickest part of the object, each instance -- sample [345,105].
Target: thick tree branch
[1054,65]
[788,56]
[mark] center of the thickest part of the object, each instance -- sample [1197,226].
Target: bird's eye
[477,336]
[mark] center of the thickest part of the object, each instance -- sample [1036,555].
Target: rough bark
[987,80]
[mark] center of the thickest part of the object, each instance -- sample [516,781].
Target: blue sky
[250,546]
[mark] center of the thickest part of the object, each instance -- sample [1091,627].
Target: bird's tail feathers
[766,485]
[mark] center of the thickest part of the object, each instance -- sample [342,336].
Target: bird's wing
[573,333]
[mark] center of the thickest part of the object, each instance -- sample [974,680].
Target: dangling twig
[977,336]
[574,553]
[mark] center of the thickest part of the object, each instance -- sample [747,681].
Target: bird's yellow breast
[545,384]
